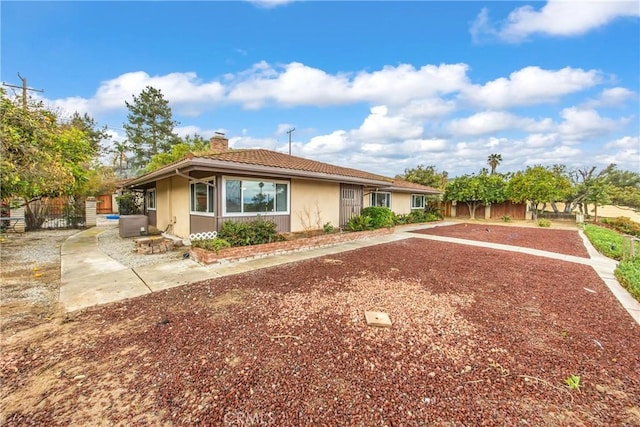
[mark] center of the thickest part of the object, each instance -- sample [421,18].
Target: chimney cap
[218,134]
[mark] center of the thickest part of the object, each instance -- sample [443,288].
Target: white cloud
[614,97]
[184,91]
[380,125]
[556,18]
[626,142]
[531,85]
[190,130]
[298,84]
[580,124]
[283,128]
[336,142]
[496,121]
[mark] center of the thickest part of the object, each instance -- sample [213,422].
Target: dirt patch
[30,278]
[479,337]
[566,242]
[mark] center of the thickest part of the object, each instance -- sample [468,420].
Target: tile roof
[400,183]
[261,157]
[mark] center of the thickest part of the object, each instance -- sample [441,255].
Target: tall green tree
[477,190]
[425,175]
[624,186]
[538,185]
[150,126]
[493,161]
[189,144]
[89,126]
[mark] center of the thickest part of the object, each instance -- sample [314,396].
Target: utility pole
[290,131]
[24,89]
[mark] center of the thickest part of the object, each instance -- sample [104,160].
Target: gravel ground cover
[566,242]
[479,338]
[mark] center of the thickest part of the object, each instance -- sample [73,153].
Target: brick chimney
[218,143]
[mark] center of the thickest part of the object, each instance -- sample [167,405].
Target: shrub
[360,223]
[328,228]
[380,216]
[624,225]
[607,242]
[214,245]
[400,219]
[628,274]
[249,233]
[544,223]
[506,218]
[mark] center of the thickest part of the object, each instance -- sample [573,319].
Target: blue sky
[379,86]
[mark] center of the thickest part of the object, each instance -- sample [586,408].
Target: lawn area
[609,243]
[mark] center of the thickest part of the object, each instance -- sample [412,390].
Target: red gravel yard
[479,337]
[566,242]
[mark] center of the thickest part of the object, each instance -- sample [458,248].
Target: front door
[350,202]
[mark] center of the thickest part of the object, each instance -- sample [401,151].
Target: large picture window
[151,199]
[381,199]
[249,196]
[202,197]
[417,201]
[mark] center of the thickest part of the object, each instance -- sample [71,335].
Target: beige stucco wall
[172,197]
[401,203]
[314,203]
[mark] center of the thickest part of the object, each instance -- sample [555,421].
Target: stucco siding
[314,204]
[401,203]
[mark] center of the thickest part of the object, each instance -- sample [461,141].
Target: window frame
[211,198]
[374,193]
[422,196]
[251,179]
[151,194]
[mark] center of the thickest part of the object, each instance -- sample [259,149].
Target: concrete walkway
[90,277]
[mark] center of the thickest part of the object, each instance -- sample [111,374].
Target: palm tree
[120,150]
[494,160]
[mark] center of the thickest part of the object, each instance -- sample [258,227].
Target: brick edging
[204,256]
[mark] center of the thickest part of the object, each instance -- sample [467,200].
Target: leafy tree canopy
[476,190]
[150,127]
[425,175]
[40,156]
[189,144]
[539,184]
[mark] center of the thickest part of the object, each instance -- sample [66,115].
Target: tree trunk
[472,209]
[555,208]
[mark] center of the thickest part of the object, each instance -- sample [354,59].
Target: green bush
[544,223]
[360,223]
[214,245]
[400,219]
[628,274]
[607,242]
[380,216]
[249,233]
[328,228]
[506,218]
[624,225]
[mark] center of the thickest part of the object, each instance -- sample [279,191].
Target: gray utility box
[133,225]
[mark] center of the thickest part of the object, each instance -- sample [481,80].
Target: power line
[24,88]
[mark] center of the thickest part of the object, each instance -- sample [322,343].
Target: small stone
[79,377]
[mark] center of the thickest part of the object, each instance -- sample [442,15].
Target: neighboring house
[198,193]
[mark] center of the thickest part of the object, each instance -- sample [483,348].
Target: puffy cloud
[380,125]
[338,141]
[614,97]
[496,121]
[299,84]
[184,91]
[556,18]
[626,142]
[580,124]
[270,4]
[530,85]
